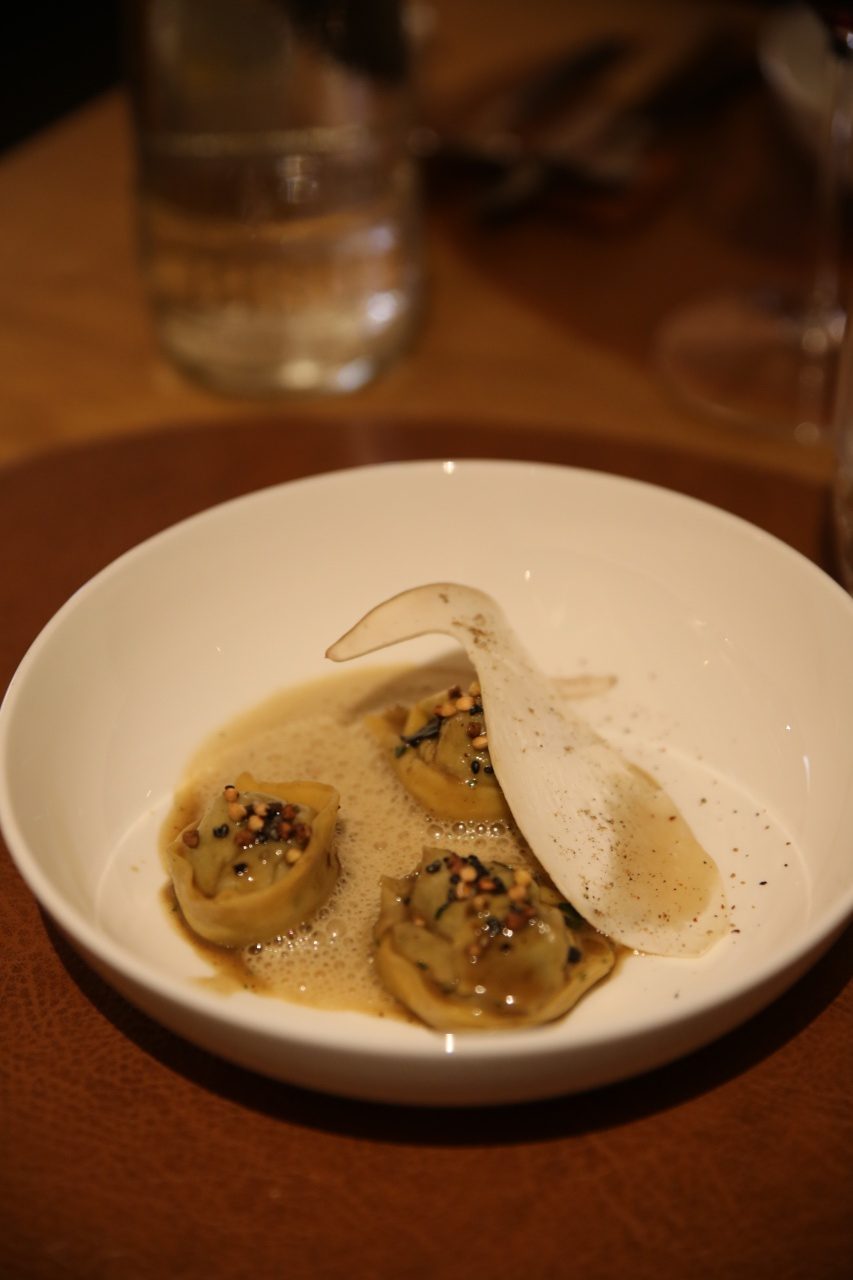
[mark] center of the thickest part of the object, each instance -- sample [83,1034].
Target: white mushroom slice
[608,835]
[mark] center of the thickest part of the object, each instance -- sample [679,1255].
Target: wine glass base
[753,361]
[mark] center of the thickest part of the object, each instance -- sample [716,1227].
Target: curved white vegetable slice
[607,834]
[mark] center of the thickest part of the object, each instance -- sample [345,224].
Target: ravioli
[259,861]
[439,751]
[466,944]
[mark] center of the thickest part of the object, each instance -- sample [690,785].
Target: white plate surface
[734,658]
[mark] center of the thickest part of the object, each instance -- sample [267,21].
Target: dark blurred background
[54,58]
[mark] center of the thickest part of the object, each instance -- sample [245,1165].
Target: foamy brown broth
[317,731]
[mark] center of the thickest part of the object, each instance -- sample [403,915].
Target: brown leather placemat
[128,1153]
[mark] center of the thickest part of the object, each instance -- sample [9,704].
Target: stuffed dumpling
[467,944]
[439,750]
[259,860]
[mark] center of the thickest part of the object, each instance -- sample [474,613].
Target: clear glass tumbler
[279,209]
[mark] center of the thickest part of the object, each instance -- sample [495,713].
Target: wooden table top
[126,1152]
[548,321]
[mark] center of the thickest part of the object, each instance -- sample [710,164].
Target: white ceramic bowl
[734,658]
